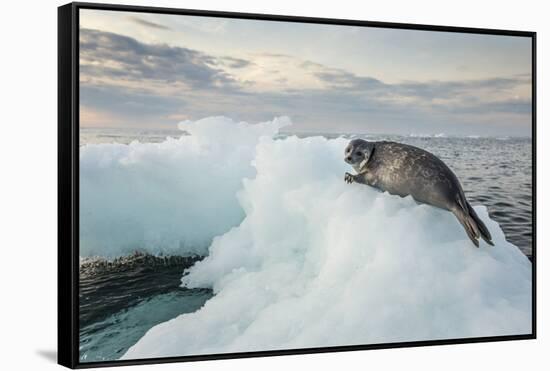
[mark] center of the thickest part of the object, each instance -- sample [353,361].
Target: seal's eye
[359,153]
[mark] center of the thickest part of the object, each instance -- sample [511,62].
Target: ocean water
[123,298]
[118,303]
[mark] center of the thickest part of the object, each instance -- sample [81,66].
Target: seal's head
[358,152]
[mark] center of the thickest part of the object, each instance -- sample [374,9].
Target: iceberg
[300,259]
[168,198]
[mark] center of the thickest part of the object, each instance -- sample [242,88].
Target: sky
[141,70]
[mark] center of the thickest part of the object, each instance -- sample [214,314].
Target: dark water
[121,300]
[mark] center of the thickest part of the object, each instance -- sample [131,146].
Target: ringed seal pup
[403,170]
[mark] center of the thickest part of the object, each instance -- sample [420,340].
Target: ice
[317,262]
[167,198]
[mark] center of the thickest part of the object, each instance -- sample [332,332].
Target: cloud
[145,23]
[234,62]
[127,107]
[512,106]
[447,89]
[155,83]
[422,99]
[344,79]
[429,90]
[276,55]
[109,55]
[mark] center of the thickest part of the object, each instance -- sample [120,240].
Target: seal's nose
[348,159]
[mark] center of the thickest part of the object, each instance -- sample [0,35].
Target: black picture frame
[68,181]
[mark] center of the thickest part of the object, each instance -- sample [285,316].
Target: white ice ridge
[171,197]
[317,262]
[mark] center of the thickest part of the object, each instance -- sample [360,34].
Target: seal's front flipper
[349,178]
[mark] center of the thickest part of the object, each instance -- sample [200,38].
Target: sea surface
[123,298]
[118,303]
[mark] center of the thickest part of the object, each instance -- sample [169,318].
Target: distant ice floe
[420,135]
[310,261]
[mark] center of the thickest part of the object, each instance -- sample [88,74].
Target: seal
[404,170]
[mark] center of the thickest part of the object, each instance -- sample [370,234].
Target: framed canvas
[240,185]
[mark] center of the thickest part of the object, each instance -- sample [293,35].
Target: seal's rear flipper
[474,226]
[469,225]
[484,232]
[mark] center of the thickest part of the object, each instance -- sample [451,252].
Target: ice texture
[167,198]
[317,262]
